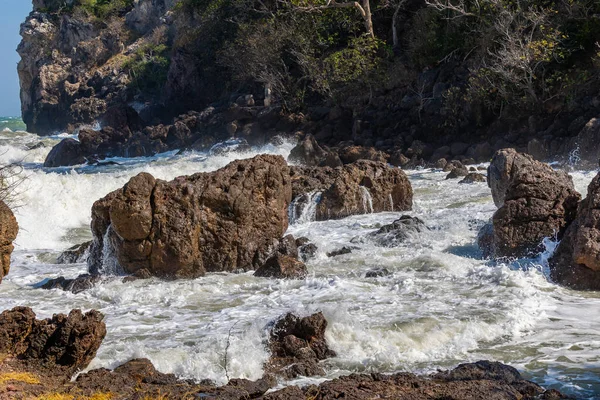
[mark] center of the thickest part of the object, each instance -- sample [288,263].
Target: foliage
[11,178]
[105,8]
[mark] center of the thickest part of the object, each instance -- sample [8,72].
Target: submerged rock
[341,252]
[535,202]
[576,261]
[473,177]
[359,188]
[59,345]
[282,266]
[297,345]
[225,220]
[8,233]
[76,285]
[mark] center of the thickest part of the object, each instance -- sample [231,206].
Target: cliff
[420,79]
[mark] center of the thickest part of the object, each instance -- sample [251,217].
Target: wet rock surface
[282,266]
[8,233]
[297,345]
[397,232]
[534,202]
[75,254]
[226,220]
[576,261]
[473,177]
[76,285]
[358,188]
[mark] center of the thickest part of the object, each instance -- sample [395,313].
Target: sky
[13,13]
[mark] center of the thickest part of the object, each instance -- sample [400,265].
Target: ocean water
[441,304]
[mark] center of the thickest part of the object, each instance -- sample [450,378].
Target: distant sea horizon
[14,123]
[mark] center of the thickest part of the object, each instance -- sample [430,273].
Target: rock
[77,285]
[308,152]
[576,261]
[225,220]
[68,152]
[75,254]
[397,232]
[377,272]
[457,173]
[340,252]
[359,188]
[452,165]
[535,202]
[457,149]
[441,163]
[586,143]
[473,177]
[8,233]
[397,159]
[352,154]
[306,250]
[297,345]
[282,267]
[58,345]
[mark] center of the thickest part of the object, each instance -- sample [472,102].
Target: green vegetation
[105,8]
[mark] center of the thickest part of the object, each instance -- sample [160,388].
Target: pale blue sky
[13,13]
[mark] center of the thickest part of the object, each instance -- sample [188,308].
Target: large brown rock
[226,220]
[576,261]
[308,152]
[535,202]
[297,345]
[58,345]
[358,188]
[8,233]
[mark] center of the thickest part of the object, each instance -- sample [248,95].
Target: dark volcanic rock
[67,152]
[59,345]
[352,154]
[340,252]
[226,220]
[282,266]
[75,254]
[359,188]
[8,233]
[576,261]
[297,345]
[309,153]
[397,232]
[535,202]
[77,285]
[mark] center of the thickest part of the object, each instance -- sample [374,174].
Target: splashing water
[367,200]
[303,208]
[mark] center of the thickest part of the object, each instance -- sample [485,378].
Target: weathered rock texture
[297,345]
[58,345]
[534,202]
[576,261]
[397,232]
[358,188]
[8,233]
[227,220]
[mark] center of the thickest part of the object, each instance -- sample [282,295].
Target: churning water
[440,305]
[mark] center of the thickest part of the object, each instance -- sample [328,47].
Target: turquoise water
[12,123]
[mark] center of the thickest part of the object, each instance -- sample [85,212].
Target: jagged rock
[377,273]
[586,143]
[359,188]
[297,345]
[473,177]
[452,165]
[77,285]
[309,153]
[282,266]
[58,345]
[457,173]
[8,233]
[306,249]
[340,252]
[441,163]
[66,153]
[535,202]
[75,254]
[225,220]
[397,232]
[576,261]
[397,159]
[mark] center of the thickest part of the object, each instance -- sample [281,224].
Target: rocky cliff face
[8,233]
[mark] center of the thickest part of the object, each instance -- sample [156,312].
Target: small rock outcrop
[76,285]
[75,254]
[8,233]
[59,345]
[576,261]
[359,188]
[397,232]
[282,266]
[309,153]
[227,220]
[473,177]
[534,202]
[297,345]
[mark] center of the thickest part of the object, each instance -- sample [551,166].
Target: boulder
[8,233]
[66,153]
[584,146]
[282,266]
[226,220]
[58,345]
[75,254]
[473,177]
[309,153]
[297,345]
[576,261]
[457,173]
[535,202]
[76,285]
[358,188]
[352,154]
[397,232]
